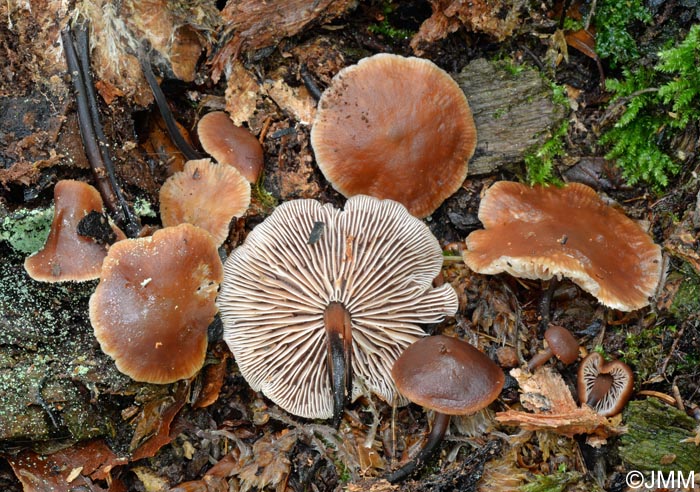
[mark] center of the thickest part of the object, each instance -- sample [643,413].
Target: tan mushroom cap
[447,375]
[539,232]
[394,127]
[562,343]
[617,389]
[66,254]
[205,194]
[154,302]
[373,257]
[231,144]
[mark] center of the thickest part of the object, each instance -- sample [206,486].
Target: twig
[87,130]
[188,151]
[309,82]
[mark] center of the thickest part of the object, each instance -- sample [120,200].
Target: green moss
[687,300]
[539,162]
[613,21]
[658,104]
[384,28]
[143,208]
[655,438]
[26,230]
[645,349]
[556,482]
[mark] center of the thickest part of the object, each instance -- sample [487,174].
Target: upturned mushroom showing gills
[66,254]
[448,376]
[318,302]
[394,127]
[542,232]
[604,386]
[155,301]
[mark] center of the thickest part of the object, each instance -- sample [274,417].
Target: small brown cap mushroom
[231,144]
[605,386]
[540,232]
[394,127]
[447,375]
[563,344]
[66,254]
[205,194]
[154,302]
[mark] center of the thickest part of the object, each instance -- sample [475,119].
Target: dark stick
[546,302]
[179,141]
[87,130]
[130,223]
[309,82]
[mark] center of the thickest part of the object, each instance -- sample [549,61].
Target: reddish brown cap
[562,343]
[66,254]
[394,127]
[154,302]
[373,258]
[606,386]
[231,144]
[447,375]
[205,194]
[540,232]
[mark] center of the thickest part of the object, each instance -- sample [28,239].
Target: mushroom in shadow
[606,387]
[450,377]
[560,344]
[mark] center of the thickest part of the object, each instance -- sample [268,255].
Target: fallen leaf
[555,410]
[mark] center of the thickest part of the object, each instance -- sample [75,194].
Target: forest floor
[70,421]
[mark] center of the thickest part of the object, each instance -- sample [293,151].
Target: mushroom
[231,144]
[205,194]
[66,255]
[543,232]
[155,301]
[450,377]
[394,127]
[560,343]
[606,387]
[318,301]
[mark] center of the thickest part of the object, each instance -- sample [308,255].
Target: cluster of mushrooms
[320,305]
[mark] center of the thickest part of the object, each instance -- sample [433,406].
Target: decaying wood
[513,112]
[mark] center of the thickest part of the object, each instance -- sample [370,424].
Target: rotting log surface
[513,112]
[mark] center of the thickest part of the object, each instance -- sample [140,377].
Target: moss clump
[613,21]
[659,104]
[655,438]
[26,230]
[539,162]
[687,300]
[556,482]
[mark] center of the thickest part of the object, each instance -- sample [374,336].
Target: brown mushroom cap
[447,375]
[205,194]
[154,302]
[231,144]
[66,254]
[616,390]
[562,343]
[373,257]
[394,127]
[540,232]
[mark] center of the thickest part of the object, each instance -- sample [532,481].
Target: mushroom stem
[339,343]
[187,150]
[546,302]
[309,82]
[600,388]
[441,422]
[539,358]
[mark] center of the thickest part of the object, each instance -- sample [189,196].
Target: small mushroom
[606,387]
[205,194]
[560,343]
[67,255]
[450,377]
[543,232]
[394,127]
[231,144]
[155,301]
[318,301]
